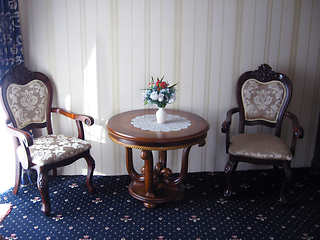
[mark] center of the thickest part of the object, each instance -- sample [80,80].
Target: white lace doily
[149,122]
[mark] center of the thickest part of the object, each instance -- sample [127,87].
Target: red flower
[163,85]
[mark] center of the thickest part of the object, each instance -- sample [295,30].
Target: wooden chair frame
[264,74]
[20,75]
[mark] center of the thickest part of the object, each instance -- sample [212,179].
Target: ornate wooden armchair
[262,97]
[27,98]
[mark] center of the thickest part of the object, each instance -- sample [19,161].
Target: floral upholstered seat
[263,97]
[54,148]
[261,146]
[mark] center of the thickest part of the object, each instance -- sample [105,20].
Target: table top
[121,131]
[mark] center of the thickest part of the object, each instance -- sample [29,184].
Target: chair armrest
[297,130]
[226,124]
[23,136]
[225,128]
[79,118]
[88,120]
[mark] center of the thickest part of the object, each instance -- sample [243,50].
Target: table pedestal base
[156,184]
[163,194]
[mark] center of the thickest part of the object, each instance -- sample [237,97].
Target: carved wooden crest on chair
[262,97]
[27,99]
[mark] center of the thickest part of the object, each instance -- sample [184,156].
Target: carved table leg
[163,158]
[148,172]
[173,183]
[132,172]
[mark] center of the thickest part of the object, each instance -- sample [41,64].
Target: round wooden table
[156,184]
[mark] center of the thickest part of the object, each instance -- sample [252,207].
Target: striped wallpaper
[101,53]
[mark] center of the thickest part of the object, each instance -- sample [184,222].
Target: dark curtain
[11,51]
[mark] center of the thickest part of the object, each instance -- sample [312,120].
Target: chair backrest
[27,99]
[263,97]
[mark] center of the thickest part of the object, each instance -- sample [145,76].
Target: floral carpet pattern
[253,212]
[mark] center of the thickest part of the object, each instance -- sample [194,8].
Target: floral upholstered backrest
[262,100]
[28,103]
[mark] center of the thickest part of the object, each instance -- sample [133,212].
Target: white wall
[101,53]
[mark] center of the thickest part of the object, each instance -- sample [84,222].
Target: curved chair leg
[43,187]
[18,178]
[287,178]
[91,166]
[229,169]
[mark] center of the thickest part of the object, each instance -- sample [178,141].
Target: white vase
[161,115]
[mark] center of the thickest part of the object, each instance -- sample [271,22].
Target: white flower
[172,98]
[164,91]
[160,97]
[154,96]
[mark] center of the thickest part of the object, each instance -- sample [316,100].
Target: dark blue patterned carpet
[111,213]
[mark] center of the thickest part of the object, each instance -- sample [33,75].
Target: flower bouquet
[161,94]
